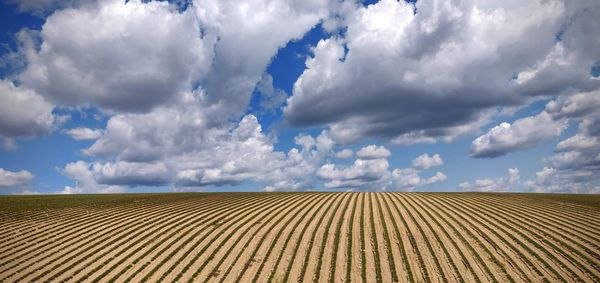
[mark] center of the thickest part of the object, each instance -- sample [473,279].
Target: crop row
[272,237]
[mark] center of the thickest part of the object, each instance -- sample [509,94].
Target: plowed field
[294,237]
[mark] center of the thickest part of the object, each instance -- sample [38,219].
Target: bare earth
[278,237]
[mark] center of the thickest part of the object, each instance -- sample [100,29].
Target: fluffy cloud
[83,133]
[362,174]
[370,171]
[270,97]
[179,136]
[548,124]
[132,56]
[373,152]
[174,145]
[425,161]
[174,81]
[193,156]
[9,179]
[344,153]
[554,180]
[120,56]
[500,184]
[234,159]
[408,179]
[176,84]
[577,152]
[575,106]
[42,8]
[23,113]
[250,33]
[298,170]
[521,134]
[575,164]
[84,180]
[441,66]
[131,173]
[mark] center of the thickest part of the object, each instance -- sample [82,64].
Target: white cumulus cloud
[373,152]
[372,173]
[500,184]
[408,179]
[173,83]
[363,174]
[344,153]
[85,181]
[425,161]
[574,166]
[124,56]
[523,133]
[415,73]
[10,179]
[23,113]
[83,133]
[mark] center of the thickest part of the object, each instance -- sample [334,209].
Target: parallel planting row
[301,237]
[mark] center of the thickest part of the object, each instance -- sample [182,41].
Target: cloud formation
[521,134]
[9,179]
[438,69]
[23,113]
[425,161]
[363,173]
[85,182]
[118,56]
[370,172]
[83,133]
[548,124]
[344,153]
[500,184]
[250,34]
[407,179]
[271,98]
[175,85]
[574,165]
[173,82]
[175,146]
[373,152]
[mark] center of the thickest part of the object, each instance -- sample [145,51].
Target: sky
[111,96]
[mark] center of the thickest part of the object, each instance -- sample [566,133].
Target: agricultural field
[293,237]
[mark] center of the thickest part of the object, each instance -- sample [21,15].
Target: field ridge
[296,236]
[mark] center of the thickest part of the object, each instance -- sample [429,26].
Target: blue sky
[104,96]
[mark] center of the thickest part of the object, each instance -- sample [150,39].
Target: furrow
[436,272]
[550,240]
[130,266]
[443,240]
[515,234]
[319,235]
[279,275]
[294,267]
[400,242]
[287,229]
[276,215]
[245,257]
[221,220]
[44,258]
[84,264]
